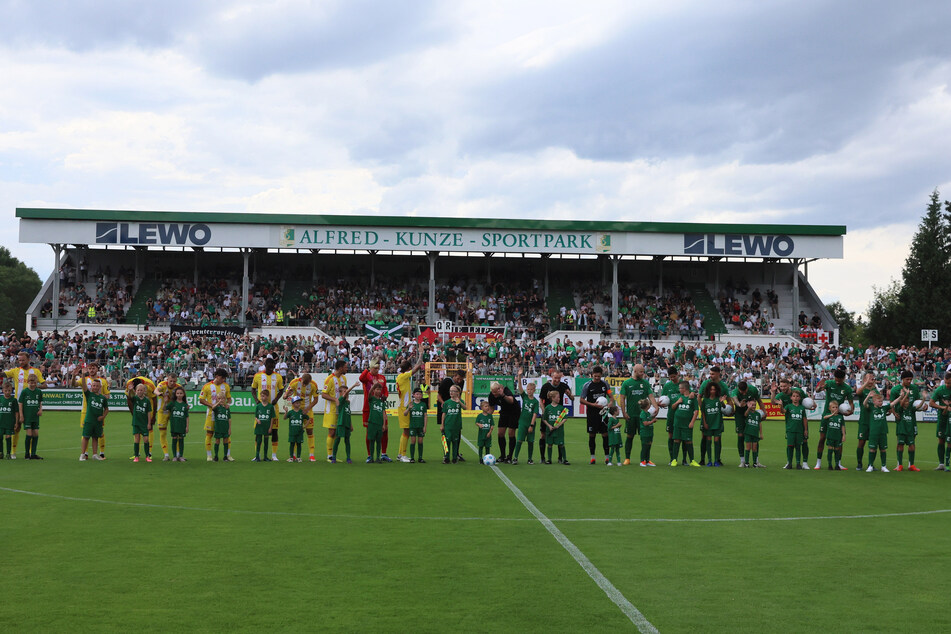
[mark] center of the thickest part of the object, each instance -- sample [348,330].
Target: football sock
[690,450]
[333,451]
[605,446]
[419,443]
[386,438]
[135,449]
[9,444]
[511,447]
[501,447]
[670,447]
[151,437]
[549,452]
[412,451]
[311,443]
[257,446]
[746,456]
[404,440]
[647,451]
[541,447]
[683,449]
[740,444]
[901,454]
[217,445]
[274,448]
[859,453]
[330,445]
[805,452]
[755,456]
[36,440]
[562,453]
[147,448]
[717,449]
[102,443]
[518,448]
[820,448]
[940,452]
[675,449]
[704,443]
[871,457]
[369,451]
[591,445]
[455,447]
[531,450]
[799,456]
[789,453]
[838,456]
[911,457]
[208,438]
[628,446]
[881,455]
[947,453]
[163,438]
[16,441]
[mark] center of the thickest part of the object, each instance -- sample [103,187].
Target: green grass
[360,547]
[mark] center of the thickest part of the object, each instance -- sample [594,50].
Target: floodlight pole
[245,288]
[614,296]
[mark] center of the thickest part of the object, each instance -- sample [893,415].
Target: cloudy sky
[793,112]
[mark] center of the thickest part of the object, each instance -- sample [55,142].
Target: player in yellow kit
[163,396]
[274,383]
[305,387]
[90,376]
[332,384]
[404,387]
[209,398]
[150,394]
[19,376]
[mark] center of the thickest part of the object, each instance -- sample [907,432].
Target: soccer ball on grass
[488,460]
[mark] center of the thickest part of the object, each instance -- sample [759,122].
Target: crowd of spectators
[749,312]
[196,357]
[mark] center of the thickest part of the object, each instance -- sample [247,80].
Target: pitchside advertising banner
[427,239]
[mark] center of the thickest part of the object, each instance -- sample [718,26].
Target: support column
[138,267]
[196,268]
[716,279]
[795,296]
[57,254]
[313,273]
[614,296]
[245,288]
[372,269]
[546,257]
[431,315]
[660,277]
[488,269]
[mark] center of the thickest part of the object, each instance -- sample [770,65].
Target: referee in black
[501,397]
[554,383]
[442,394]
[594,390]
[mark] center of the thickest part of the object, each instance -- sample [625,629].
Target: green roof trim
[422,221]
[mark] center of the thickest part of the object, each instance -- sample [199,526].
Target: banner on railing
[208,331]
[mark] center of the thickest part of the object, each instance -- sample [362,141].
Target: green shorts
[416,432]
[906,439]
[556,437]
[647,433]
[750,438]
[740,427]
[31,424]
[140,429]
[683,434]
[942,431]
[344,431]
[453,434]
[833,444]
[295,436]
[823,425]
[221,434]
[485,438]
[863,431]
[374,432]
[632,426]
[670,426]
[260,430]
[713,431]
[6,431]
[794,438]
[523,433]
[92,430]
[878,441]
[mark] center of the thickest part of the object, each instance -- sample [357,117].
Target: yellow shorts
[404,419]
[329,421]
[210,425]
[161,422]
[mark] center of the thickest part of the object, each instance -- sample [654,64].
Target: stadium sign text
[164,234]
[739,245]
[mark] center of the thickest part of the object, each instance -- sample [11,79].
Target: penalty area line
[616,596]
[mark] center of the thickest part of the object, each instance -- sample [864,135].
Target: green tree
[851,327]
[881,315]
[19,285]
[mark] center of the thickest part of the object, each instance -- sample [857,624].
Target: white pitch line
[638,619]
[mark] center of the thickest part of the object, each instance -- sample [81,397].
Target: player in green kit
[743,395]
[485,422]
[670,393]
[554,420]
[177,409]
[97,408]
[614,435]
[783,397]
[685,410]
[646,432]
[877,430]
[295,428]
[417,426]
[867,387]
[451,426]
[264,415]
[941,401]
[797,429]
[716,377]
[140,405]
[752,434]
[835,435]
[633,390]
[711,424]
[221,417]
[344,426]
[527,419]
[837,390]
[9,417]
[31,408]
[377,423]
[904,397]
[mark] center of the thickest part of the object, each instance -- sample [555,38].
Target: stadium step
[713,321]
[138,310]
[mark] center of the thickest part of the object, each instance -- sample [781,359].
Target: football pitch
[236,546]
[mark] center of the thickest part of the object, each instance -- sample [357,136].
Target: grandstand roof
[416,233]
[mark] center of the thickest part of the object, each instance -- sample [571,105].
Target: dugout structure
[553,255]
[436,371]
